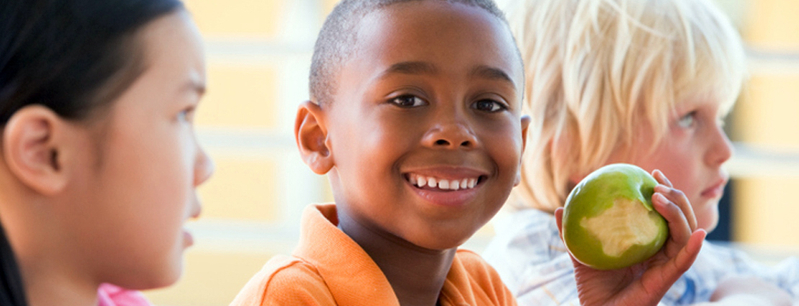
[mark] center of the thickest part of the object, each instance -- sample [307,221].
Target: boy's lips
[446,186]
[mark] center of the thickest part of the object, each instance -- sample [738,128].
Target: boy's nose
[721,148]
[450,136]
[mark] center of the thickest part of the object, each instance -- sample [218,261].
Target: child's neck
[45,286]
[416,274]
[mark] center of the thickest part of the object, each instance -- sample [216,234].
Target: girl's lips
[188,239]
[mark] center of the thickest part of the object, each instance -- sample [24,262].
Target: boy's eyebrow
[491,73]
[410,68]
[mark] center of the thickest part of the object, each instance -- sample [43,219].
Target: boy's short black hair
[337,39]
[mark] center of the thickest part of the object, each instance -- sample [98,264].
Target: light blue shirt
[533,263]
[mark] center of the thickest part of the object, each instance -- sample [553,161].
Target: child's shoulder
[471,275]
[285,280]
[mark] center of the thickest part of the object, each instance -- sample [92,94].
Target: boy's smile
[425,128]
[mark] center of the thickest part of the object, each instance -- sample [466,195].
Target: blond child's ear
[525,124]
[311,135]
[32,148]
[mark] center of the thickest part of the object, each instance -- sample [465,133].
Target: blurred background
[259,53]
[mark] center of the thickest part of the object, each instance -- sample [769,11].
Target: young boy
[416,118]
[635,81]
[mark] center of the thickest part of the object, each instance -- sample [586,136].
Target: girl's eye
[687,120]
[490,106]
[408,101]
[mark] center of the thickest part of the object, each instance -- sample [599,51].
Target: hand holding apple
[645,283]
[608,220]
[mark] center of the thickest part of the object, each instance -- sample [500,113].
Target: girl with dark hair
[98,158]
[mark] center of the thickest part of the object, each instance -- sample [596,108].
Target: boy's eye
[408,101]
[490,106]
[687,120]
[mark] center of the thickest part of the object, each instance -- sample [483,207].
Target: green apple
[609,222]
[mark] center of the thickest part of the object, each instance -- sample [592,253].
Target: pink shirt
[110,295]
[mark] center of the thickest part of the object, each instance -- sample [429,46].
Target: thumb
[559,220]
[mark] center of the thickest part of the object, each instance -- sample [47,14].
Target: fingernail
[661,188]
[660,198]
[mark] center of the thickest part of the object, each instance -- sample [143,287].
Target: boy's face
[691,155]
[432,92]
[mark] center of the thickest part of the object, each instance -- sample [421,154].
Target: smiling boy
[416,118]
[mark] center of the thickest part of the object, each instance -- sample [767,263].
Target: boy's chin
[440,241]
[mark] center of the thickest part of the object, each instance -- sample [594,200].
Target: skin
[416,102]
[105,200]
[692,154]
[644,283]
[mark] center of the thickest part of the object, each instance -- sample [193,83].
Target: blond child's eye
[490,106]
[408,101]
[687,120]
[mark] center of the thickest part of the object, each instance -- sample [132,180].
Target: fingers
[687,255]
[679,228]
[661,178]
[559,220]
[657,283]
[665,193]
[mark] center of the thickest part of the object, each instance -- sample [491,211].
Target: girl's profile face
[144,167]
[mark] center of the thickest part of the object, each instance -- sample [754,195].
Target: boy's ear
[525,124]
[32,143]
[310,132]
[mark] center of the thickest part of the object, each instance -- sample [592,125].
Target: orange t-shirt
[329,268]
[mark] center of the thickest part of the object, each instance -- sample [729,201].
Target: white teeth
[431,182]
[422,181]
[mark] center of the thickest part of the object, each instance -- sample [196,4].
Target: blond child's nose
[721,148]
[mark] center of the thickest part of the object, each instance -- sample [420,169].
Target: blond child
[99,162]
[416,118]
[646,82]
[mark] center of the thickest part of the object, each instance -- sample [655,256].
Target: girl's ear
[310,132]
[32,149]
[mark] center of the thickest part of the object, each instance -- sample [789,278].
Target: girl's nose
[203,167]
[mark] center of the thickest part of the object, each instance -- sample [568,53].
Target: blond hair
[597,71]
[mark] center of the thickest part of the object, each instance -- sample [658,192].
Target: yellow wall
[251,18]
[244,195]
[766,207]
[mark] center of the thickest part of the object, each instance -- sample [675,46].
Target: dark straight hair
[73,57]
